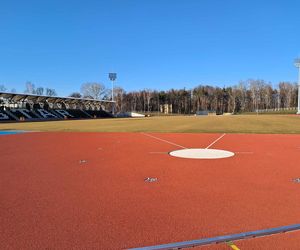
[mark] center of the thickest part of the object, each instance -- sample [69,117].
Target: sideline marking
[234,247]
[215,141]
[157,138]
[158,152]
[244,152]
[223,238]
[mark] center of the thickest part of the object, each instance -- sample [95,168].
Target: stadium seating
[71,113]
[99,113]
[5,116]
[25,114]
[31,107]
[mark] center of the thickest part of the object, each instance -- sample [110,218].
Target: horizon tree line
[246,96]
[31,89]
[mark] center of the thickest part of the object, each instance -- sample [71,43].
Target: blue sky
[157,44]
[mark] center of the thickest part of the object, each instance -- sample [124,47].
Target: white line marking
[244,152]
[152,136]
[215,141]
[158,152]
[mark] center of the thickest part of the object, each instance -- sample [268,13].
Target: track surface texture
[87,190]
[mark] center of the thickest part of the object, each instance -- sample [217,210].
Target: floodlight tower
[112,77]
[297,64]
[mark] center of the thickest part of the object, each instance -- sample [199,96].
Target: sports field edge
[259,124]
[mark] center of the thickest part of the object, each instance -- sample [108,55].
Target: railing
[222,239]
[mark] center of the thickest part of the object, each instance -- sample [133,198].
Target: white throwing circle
[201,153]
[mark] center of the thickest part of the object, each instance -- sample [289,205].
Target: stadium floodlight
[112,77]
[297,64]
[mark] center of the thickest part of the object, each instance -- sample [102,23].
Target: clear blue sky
[157,44]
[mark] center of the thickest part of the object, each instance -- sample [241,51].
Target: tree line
[246,96]
[30,88]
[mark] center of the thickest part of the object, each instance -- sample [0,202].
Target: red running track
[49,200]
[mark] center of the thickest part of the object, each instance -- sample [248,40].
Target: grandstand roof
[14,97]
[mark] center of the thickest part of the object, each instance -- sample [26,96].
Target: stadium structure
[28,107]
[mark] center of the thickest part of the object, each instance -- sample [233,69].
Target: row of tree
[247,96]
[88,90]
[4,89]
[31,89]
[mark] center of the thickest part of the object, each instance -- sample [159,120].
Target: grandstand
[28,107]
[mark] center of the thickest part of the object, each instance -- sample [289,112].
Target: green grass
[187,124]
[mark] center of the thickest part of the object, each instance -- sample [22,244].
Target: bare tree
[50,92]
[93,90]
[241,100]
[29,88]
[39,91]
[148,95]
[2,88]
[118,98]
[268,96]
[286,93]
[75,94]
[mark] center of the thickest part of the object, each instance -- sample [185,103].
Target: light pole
[191,102]
[158,107]
[278,98]
[297,64]
[112,77]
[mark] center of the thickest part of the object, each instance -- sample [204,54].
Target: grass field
[280,124]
